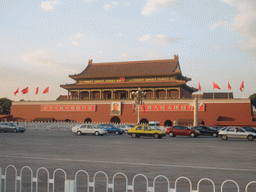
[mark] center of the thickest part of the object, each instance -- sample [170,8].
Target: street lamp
[138,96]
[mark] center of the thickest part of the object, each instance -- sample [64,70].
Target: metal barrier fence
[47,125]
[71,185]
[55,125]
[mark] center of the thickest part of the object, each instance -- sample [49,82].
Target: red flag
[242,86]
[143,108]
[37,90]
[215,86]
[46,90]
[17,91]
[199,86]
[24,91]
[229,87]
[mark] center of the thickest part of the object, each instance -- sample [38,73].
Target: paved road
[195,158]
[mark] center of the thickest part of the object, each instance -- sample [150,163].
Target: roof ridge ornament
[176,57]
[90,61]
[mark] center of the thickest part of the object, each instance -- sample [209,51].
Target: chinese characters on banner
[186,107]
[68,108]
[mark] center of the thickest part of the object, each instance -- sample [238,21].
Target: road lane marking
[129,163]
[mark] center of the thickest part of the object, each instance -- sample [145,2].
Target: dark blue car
[251,129]
[111,129]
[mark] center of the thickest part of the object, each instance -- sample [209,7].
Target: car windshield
[211,128]
[14,125]
[147,128]
[224,128]
[91,127]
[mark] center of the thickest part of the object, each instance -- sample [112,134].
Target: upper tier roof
[130,69]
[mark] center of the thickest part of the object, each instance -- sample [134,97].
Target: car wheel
[79,133]
[134,135]
[156,136]
[171,134]
[192,135]
[96,133]
[117,133]
[14,130]
[215,135]
[250,137]
[224,137]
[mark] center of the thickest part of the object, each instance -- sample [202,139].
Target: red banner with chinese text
[172,108]
[68,108]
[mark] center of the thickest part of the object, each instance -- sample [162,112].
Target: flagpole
[213,89]
[228,88]
[228,92]
[243,89]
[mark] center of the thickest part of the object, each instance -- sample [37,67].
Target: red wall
[234,113]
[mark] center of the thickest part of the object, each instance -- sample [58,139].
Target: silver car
[88,129]
[11,127]
[236,133]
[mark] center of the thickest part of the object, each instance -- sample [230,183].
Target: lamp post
[195,111]
[138,96]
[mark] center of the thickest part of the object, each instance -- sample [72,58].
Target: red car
[181,130]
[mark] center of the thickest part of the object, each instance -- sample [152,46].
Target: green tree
[5,106]
[253,99]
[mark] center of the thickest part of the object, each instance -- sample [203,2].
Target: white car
[88,129]
[125,127]
[237,133]
[154,125]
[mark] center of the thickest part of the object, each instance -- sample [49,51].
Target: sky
[43,42]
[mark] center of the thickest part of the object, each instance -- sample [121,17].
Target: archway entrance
[167,123]
[115,120]
[87,120]
[143,121]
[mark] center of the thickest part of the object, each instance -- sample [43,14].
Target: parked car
[11,127]
[181,130]
[87,129]
[237,133]
[125,127]
[251,129]
[205,130]
[111,129]
[145,130]
[154,125]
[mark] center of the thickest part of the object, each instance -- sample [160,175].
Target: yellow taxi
[145,130]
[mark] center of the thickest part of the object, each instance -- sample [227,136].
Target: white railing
[55,125]
[72,185]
